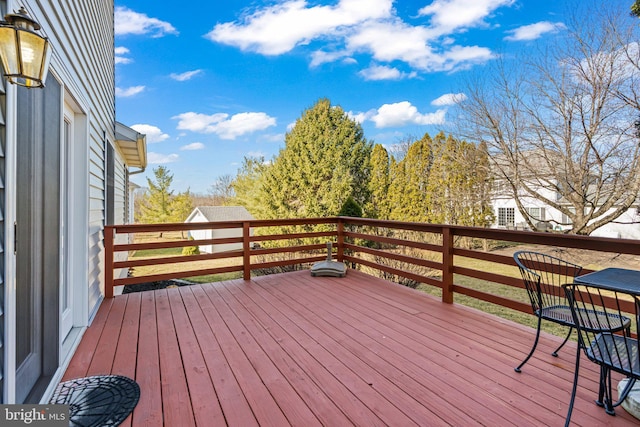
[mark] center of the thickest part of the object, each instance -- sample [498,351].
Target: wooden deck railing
[369,243]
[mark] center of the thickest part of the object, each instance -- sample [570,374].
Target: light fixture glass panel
[8,53]
[33,52]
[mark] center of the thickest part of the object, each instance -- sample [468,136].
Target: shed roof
[222,213]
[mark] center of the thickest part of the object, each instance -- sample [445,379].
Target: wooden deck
[289,349]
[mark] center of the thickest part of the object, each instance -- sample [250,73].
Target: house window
[506,217]
[536,213]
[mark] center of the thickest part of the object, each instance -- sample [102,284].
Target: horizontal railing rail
[423,253]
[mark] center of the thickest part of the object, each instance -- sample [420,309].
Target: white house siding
[81,33]
[120,192]
[201,234]
[214,214]
[3,146]
[626,226]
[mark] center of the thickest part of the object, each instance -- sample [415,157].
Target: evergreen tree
[350,208]
[155,207]
[378,205]
[409,182]
[159,204]
[325,160]
[247,186]
[458,188]
[181,206]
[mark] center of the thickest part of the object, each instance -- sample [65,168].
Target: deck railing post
[447,265]
[109,237]
[246,251]
[340,254]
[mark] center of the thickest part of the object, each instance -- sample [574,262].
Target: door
[37,248]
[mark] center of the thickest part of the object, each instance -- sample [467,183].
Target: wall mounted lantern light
[24,53]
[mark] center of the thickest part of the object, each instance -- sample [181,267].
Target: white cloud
[223,125]
[450,15]
[279,28]
[449,99]
[158,159]
[194,146]
[361,117]
[383,72]
[255,154]
[361,27]
[403,114]
[129,22]
[153,133]
[534,31]
[320,57]
[130,91]
[120,51]
[187,75]
[396,41]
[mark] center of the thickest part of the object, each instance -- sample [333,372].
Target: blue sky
[214,81]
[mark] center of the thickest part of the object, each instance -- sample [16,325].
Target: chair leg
[608,400]
[535,343]
[555,353]
[602,386]
[605,397]
[625,392]
[573,391]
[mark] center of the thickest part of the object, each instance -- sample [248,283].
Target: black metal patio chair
[604,334]
[543,275]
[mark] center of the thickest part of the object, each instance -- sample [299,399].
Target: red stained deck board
[84,353]
[385,354]
[335,378]
[288,348]
[204,401]
[491,374]
[176,401]
[289,401]
[148,412]
[414,413]
[124,362]
[102,361]
[230,396]
[262,403]
[312,394]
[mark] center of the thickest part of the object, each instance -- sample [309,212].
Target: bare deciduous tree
[222,189]
[561,123]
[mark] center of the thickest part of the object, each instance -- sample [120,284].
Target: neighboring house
[548,218]
[64,168]
[218,214]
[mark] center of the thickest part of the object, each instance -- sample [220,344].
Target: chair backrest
[605,330]
[543,275]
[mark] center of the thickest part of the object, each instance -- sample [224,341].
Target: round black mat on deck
[103,400]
